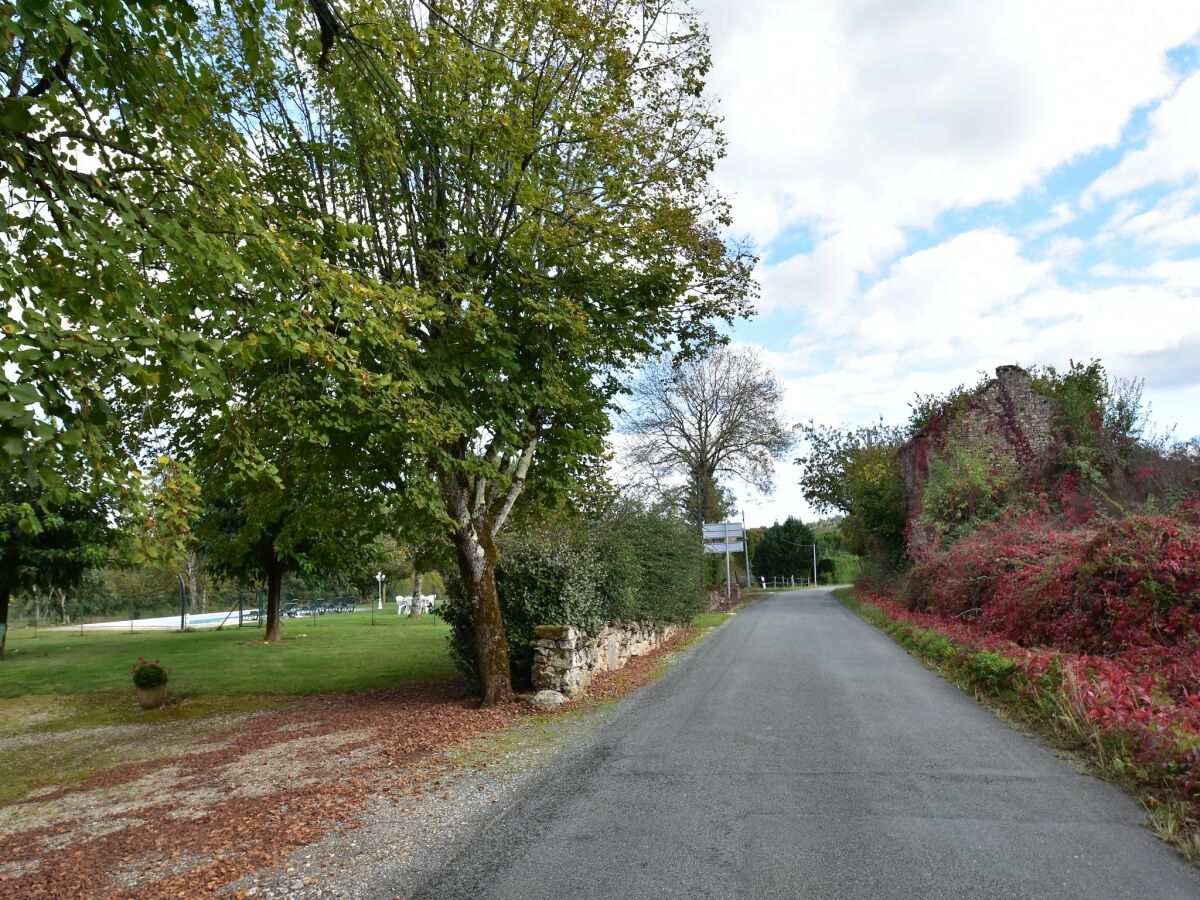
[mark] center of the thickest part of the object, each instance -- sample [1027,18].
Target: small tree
[855,471]
[264,529]
[47,546]
[166,515]
[707,419]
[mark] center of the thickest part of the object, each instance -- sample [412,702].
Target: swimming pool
[217,618]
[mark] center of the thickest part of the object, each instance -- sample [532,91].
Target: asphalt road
[800,753]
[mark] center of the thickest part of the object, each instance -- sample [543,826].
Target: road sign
[723,547]
[720,531]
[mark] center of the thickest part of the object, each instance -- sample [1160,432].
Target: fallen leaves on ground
[244,799]
[188,825]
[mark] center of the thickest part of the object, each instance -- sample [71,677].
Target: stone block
[554,632]
[547,699]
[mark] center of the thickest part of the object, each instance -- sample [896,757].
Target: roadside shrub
[935,646]
[1002,557]
[661,570]
[630,564]
[990,670]
[1133,583]
[542,578]
[1137,585]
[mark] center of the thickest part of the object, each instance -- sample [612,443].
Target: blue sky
[936,188]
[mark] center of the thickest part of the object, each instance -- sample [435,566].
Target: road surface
[798,752]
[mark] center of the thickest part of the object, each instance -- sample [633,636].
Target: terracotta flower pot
[152,697]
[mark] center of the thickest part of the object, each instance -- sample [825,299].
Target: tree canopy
[855,471]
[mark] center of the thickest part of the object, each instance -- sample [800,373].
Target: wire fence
[225,608]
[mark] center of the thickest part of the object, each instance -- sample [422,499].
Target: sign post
[727,538]
[728,587]
[746,549]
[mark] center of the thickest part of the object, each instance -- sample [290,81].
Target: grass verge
[1046,705]
[710,619]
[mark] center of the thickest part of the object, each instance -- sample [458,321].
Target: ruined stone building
[1005,418]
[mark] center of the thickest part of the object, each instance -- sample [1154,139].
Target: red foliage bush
[1135,583]
[999,561]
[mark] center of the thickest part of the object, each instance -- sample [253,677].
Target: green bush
[933,646]
[967,487]
[631,564]
[990,670]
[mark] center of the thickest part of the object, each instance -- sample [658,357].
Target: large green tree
[785,549]
[540,171]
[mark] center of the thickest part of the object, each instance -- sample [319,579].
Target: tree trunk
[195,601]
[5,594]
[476,552]
[274,592]
[62,601]
[415,610]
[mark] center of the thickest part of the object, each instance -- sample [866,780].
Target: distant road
[799,753]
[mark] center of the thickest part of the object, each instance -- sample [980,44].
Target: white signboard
[731,547]
[719,531]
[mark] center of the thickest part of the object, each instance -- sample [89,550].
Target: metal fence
[783,581]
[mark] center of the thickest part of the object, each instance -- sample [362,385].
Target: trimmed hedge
[632,564]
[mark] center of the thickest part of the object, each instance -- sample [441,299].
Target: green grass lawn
[73,692]
[337,652]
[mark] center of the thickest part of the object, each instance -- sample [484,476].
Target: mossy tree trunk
[476,552]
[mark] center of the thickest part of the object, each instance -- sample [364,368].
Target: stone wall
[565,659]
[1005,418]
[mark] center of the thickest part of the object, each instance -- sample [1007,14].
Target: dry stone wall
[565,659]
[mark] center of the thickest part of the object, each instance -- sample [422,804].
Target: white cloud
[935,305]
[1061,214]
[1182,275]
[1171,152]
[1173,221]
[877,110]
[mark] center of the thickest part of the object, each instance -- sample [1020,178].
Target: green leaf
[24,393]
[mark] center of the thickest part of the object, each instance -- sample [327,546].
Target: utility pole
[814,550]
